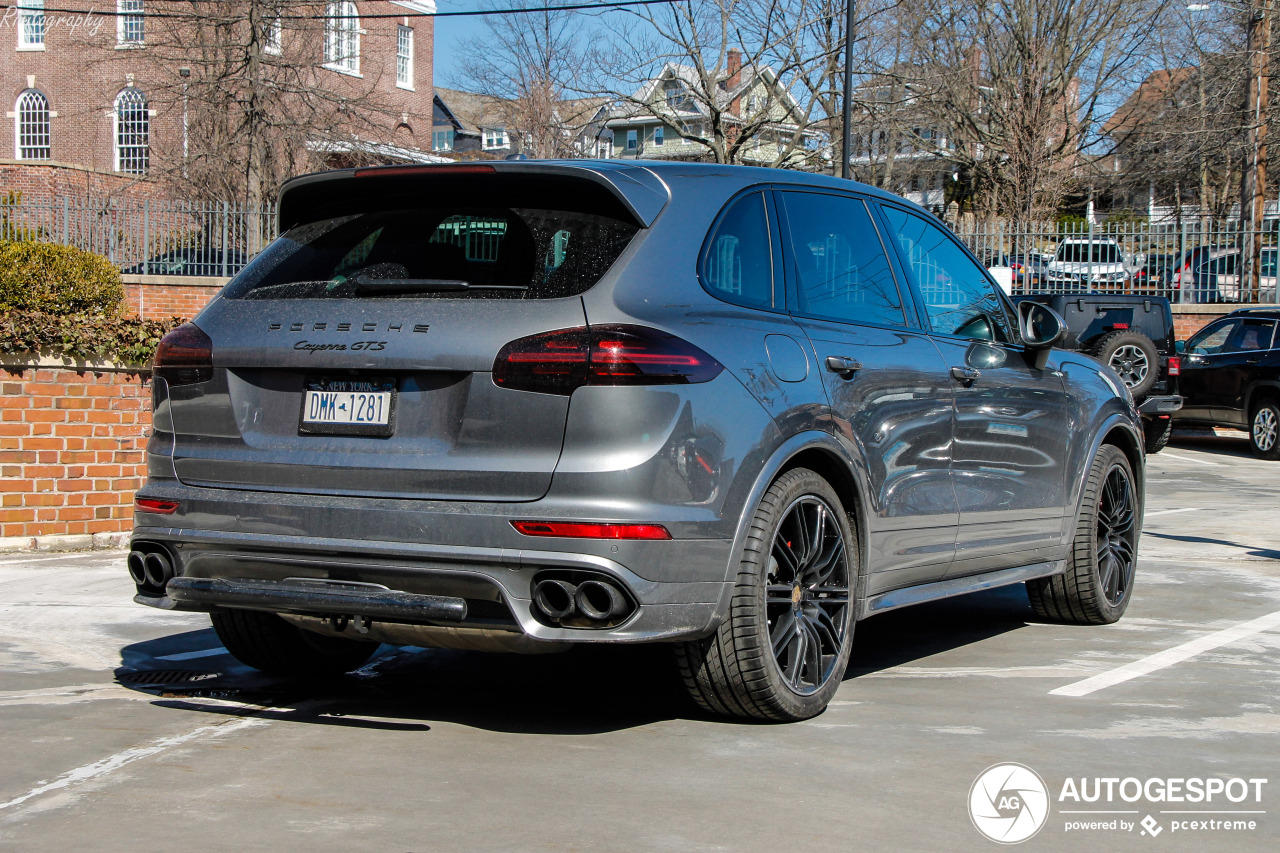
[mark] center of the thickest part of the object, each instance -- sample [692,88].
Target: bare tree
[1022,85]
[533,64]
[257,105]
[739,80]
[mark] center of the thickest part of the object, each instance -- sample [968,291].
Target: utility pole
[846,151]
[1253,176]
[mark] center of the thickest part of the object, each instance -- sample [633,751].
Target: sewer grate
[168,676]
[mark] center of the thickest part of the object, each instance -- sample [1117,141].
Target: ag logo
[1008,803]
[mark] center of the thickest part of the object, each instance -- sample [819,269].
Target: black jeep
[1134,336]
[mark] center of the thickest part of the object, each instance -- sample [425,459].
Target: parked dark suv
[517,406]
[1231,377]
[1134,336]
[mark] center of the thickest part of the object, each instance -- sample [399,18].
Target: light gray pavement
[598,751]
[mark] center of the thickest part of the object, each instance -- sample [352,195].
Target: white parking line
[1169,455]
[1170,511]
[203,653]
[69,555]
[1169,657]
[112,763]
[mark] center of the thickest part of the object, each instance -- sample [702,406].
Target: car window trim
[792,279]
[1010,311]
[770,225]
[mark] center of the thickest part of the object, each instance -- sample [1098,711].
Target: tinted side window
[737,263]
[1212,338]
[841,269]
[1253,335]
[957,295]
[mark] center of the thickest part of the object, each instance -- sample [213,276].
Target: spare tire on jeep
[1132,355]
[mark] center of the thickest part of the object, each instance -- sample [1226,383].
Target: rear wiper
[426,285]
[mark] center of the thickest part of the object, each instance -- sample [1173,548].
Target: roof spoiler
[309,198]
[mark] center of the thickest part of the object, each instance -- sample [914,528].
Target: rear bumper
[1161,405]
[410,583]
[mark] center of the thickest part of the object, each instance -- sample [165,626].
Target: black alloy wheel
[781,651]
[806,594]
[1116,529]
[1097,585]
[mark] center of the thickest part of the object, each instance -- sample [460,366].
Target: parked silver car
[517,406]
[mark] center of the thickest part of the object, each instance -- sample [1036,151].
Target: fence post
[146,234]
[225,214]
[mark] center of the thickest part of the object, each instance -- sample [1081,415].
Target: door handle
[1253,361]
[846,367]
[965,375]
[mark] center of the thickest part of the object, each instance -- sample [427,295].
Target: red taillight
[559,362]
[184,356]
[585,530]
[155,505]
[1175,365]
[1119,326]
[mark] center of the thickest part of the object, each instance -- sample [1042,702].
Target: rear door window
[842,271]
[451,252]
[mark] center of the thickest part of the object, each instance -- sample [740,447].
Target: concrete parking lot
[125,729]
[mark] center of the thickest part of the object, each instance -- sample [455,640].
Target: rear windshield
[1083,253]
[475,253]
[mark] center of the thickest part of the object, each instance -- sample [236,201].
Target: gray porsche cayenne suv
[515,406]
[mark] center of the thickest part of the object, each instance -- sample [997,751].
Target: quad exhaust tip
[151,568]
[594,601]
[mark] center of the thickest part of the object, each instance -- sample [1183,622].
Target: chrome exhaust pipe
[137,567]
[554,598]
[158,570]
[599,600]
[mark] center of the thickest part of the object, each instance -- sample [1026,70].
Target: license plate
[348,407]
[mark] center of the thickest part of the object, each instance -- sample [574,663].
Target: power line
[569,7]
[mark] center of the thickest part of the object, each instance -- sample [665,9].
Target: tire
[1132,355]
[1098,583]
[1264,430]
[1157,431]
[265,641]
[782,650]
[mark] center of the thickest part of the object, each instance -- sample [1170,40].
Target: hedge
[61,280]
[94,337]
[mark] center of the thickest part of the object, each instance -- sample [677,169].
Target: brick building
[112,101]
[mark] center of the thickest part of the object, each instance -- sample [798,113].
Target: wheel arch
[821,453]
[1119,431]
[1260,390]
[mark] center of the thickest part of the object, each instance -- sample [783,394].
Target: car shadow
[588,690]
[913,633]
[1220,445]
[1266,553]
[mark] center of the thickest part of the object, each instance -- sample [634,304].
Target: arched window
[342,37]
[31,126]
[133,131]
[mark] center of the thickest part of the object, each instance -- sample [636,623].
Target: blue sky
[449,33]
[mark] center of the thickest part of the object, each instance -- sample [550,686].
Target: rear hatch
[354,355]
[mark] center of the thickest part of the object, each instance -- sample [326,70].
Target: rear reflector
[154,505]
[561,361]
[581,530]
[184,356]
[1119,326]
[1175,365]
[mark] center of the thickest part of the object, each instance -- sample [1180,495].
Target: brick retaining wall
[71,450]
[159,297]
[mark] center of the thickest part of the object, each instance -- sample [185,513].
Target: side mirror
[1180,346]
[1041,328]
